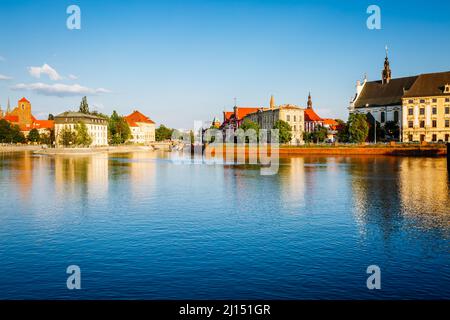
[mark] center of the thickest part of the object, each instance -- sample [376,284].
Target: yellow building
[426,109]
[292,114]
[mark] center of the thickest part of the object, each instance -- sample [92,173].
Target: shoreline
[367,150]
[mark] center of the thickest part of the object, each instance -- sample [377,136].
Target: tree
[51,117]
[118,129]
[250,125]
[84,106]
[163,133]
[10,133]
[342,131]
[358,128]
[47,137]
[284,131]
[318,135]
[83,137]
[33,136]
[67,137]
[392,129]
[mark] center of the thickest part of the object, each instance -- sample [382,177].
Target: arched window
[396,116]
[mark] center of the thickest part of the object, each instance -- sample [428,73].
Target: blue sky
[180,61]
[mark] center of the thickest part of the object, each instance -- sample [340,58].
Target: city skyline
[184,62]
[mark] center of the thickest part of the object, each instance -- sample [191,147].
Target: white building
[142,128]
[97,127]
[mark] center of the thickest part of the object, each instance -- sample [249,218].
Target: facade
[418,104]
[142,128]
[23,117]
[382,98]
[267,117]
[312,120]
[426,109]
[97,127]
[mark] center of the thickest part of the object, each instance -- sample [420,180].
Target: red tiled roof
[227,115]
[135,117]
[24,100]
[11,118]
[243,111]
[330,122]
[310,115]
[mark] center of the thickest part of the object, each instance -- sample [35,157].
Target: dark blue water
[142,227]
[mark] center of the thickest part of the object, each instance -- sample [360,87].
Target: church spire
[272,102]
[310,104]
[8,108]
[386,74]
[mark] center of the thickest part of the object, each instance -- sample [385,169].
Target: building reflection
[390,192]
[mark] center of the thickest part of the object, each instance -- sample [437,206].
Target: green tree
[250,125]
[51,117]
[342,134]
[118,129]
[163,133]
[392,129]
[284,131]
[358,128]
[47,137]
[83,138]
[319,134]
[34,136]
[84,106]
[67,137]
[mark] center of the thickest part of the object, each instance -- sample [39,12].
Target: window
[434,110]
[422,124]
[447,138]
[422,111]
[447,88]
[396,116]
[383,117]
[434,137]
[447,110]
[447,123]
[411,101]
[410,124]
[434,124]
[422,101]
[422,137]
[288,118]
[447,99]
[410,111]
[434,100]
[295,118]
[295,128]
[410,138]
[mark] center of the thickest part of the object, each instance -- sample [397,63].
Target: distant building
[233,119]
[292,114]
[97,127]
[22,117]
[312,120]
[142,128]
[420,104]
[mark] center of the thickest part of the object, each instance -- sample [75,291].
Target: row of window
[432,100]
[288,118]
[433,124]
[434,111]
[434,138]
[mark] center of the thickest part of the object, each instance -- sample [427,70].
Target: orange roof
[227,115]
[243,111]
[136,116]
[310,115]
[24,100]
[41,124]
[11,118]
[330,122]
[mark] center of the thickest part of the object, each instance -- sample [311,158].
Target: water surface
[142,227]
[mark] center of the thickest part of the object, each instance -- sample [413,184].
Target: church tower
[272,102]
[8,108]
[386,74]
[310,104]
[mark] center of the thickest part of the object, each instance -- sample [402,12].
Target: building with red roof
[312,119]
[233,119]
[21,116]
[142,128]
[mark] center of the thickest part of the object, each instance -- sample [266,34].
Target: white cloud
[72,77]
[59,89]
[3,77]
[45,69]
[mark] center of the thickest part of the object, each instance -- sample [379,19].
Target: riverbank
[376,150]
[90,151]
